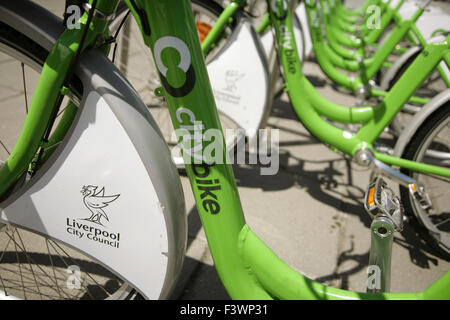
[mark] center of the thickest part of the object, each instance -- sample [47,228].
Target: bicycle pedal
[380,200]
[417,190]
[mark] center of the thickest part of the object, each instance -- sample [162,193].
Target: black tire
[437,188]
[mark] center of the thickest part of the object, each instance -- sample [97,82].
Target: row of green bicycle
[85,123]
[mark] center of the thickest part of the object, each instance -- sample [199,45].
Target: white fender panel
[99,153]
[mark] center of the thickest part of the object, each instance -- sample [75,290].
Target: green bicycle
[310,107]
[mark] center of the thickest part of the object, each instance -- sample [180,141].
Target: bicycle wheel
[431,144]
[132,56]
[33,266]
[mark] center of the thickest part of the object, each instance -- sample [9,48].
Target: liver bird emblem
[95,201]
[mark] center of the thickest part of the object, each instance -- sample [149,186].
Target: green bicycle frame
[246,266]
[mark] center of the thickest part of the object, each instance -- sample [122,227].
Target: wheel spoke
[4,147]
[442,222]
[17,246]
[24,86]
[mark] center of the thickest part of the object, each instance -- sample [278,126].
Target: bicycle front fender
[113,144]
[241,82]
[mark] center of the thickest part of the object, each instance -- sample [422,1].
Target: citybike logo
[207,188]
[280,9]
[192,135]
[286,43]
[170,75]
[314,17]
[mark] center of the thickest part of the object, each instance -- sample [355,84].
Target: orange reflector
[371,197]
[203,30]
[413,187]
